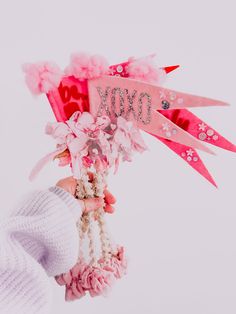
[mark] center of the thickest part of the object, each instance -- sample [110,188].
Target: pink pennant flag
[160,112]
[164,128]
[200,130]
[127,89]
[131,93]
[189,155]
[135,101]
[70,96]
[197,128]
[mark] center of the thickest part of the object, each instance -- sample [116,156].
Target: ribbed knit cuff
[71,202]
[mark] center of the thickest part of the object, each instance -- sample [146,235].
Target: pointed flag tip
[220,103]
[213,183]
[171,68]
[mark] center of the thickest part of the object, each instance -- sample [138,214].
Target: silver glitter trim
[103,101]
[140,108]
[121,102]
[130,101]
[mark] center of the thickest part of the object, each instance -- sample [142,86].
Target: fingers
[109,198]
[97,202]
[69,184]
[109,209]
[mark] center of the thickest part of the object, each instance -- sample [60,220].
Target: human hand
[69,184]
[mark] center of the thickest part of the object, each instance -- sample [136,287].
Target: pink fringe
[83,277]
[96,280]
[84,66]
[145,69]
[43,77]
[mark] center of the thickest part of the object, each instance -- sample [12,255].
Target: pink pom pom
[42,77]
[60,280]
[84,277]
[74,292]
[144,69]
[96,280]
[117,264]
[83,66]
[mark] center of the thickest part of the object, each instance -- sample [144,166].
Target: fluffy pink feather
[145,69]
[84,66]
[42,77]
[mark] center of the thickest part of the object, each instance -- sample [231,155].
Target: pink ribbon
[42,162]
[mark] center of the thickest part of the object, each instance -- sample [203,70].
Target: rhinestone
[168,134]
[210,132]
[119,69]
[215,137]
[165,104]
[195,158]
[174,131]
[95,151]
[183,154]
[202,136]
[189,158]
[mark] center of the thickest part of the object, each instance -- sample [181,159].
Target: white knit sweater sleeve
[38,239]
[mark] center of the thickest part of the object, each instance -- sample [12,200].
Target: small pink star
[202,126]
[189,152]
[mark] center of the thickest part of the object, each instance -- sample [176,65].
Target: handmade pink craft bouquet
[100,112]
